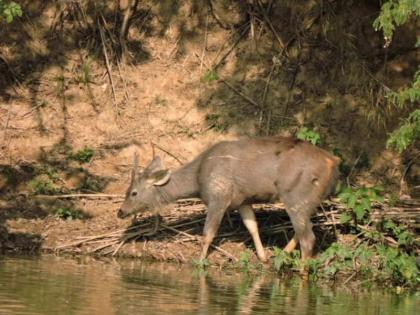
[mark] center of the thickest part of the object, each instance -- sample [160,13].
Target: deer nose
[120,214]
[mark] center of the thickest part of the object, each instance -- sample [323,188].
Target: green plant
[407,133]
[244,261]
[48,170]
[83,156]
[67,213]
[283,260]
[376,262]
[397,266]
[395,13]
[400,232]
[43,187]
[336,258]
[9,10]
[84,76]
[200,264]
[210,76]
[309,135]
[358,203]
[10,174]
[92,183]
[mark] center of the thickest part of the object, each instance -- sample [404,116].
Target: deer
[234,175]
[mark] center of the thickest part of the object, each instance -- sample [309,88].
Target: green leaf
[309,135]
[388,224]
[345,218]
[360,211]
[366,204]
[344,196]
[352,201]
[211,76]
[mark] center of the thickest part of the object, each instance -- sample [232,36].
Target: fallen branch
[276,224]
[168,152]
[80,196]
[272,28]
[244,96]
[227,254]
[108,67]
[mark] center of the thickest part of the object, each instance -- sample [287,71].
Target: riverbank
[342,252]
[73,112]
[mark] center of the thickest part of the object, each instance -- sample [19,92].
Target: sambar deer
[234,175]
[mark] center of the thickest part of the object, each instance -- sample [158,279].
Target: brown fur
[235,174]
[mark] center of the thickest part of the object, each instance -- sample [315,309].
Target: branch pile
[186,221]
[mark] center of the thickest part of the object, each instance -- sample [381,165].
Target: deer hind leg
[299,210]
[303,232]
[248,216]
[290,247]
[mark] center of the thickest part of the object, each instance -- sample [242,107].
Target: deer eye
[134,193]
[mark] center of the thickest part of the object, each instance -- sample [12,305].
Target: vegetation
[9,10]
[309,135]
[200,265]
[395,13]
[370,257]
[284,261]
[359,203]
[407,133]
[245,263]
[211,76]
[43,187]
[83,156]
[377,262]
[68,213]
[84,76]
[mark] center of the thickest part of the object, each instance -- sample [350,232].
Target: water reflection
[54,285]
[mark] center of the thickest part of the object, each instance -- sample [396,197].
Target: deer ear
[155,165]
[135,169]
[160,178]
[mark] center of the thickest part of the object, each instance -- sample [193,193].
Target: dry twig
[108,66]
[113,242]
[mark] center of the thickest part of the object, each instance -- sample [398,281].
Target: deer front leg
[155,226]
[214,217]
[248,216]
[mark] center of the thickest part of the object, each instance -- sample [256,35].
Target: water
[56,285]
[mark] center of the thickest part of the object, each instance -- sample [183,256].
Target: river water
[57,285]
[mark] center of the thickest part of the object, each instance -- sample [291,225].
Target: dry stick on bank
[128,7]
[272,28]
[245,97]
[113,242]
[108,66]
[241,35]
[167,152]
[244,32]
[264,96]
[205,44]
